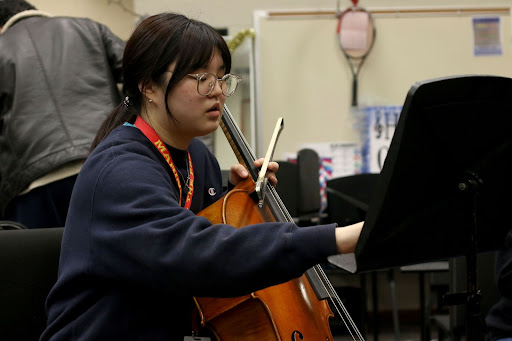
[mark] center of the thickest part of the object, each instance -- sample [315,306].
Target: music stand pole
[470,189]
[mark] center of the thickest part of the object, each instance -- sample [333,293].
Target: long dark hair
[157,42]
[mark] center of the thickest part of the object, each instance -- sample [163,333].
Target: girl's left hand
[238,172]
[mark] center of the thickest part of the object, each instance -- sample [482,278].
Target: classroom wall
[238,15]
[306,79]
[119,19]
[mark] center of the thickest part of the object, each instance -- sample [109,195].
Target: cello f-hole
[294,335]
[297,333]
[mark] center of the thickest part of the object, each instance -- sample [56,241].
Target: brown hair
[157,42]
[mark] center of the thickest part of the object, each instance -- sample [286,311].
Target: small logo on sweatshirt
[212,191]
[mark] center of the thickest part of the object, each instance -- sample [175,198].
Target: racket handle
[354,92]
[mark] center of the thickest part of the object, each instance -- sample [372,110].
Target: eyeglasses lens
[229,84]
[207,82]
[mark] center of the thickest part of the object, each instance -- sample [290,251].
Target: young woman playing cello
[134,252]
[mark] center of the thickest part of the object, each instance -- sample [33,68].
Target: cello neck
[238,143]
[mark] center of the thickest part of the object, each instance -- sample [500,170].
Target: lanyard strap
[152,136]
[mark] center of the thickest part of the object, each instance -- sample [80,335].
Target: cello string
[341,313]
[333,296]
[319,270]
[325,281]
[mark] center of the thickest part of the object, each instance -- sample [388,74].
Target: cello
[294,310]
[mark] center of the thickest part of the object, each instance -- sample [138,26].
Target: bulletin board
[303,76]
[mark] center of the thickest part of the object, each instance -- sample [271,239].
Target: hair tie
[126,101]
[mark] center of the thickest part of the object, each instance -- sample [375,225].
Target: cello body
[288,311]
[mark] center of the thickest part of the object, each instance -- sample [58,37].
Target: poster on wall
[336,159]
[340,158]
[487,36]
[377,131]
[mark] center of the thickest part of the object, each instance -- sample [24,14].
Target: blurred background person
[58,82]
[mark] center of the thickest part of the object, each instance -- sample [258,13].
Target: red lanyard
[151,134]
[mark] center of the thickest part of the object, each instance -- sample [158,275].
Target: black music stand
[445,186]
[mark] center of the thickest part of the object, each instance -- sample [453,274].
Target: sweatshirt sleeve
[137,232]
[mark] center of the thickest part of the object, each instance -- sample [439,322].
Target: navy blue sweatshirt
[132,258]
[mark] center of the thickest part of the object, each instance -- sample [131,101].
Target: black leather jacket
[58,82]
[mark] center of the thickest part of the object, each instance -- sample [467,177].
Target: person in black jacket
[58,82]
[134,251]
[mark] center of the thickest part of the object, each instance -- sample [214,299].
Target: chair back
[308,164]
[29,261]
[348,197]
[299,187]
[288,186]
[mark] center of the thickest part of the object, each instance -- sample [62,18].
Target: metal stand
[469,187]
